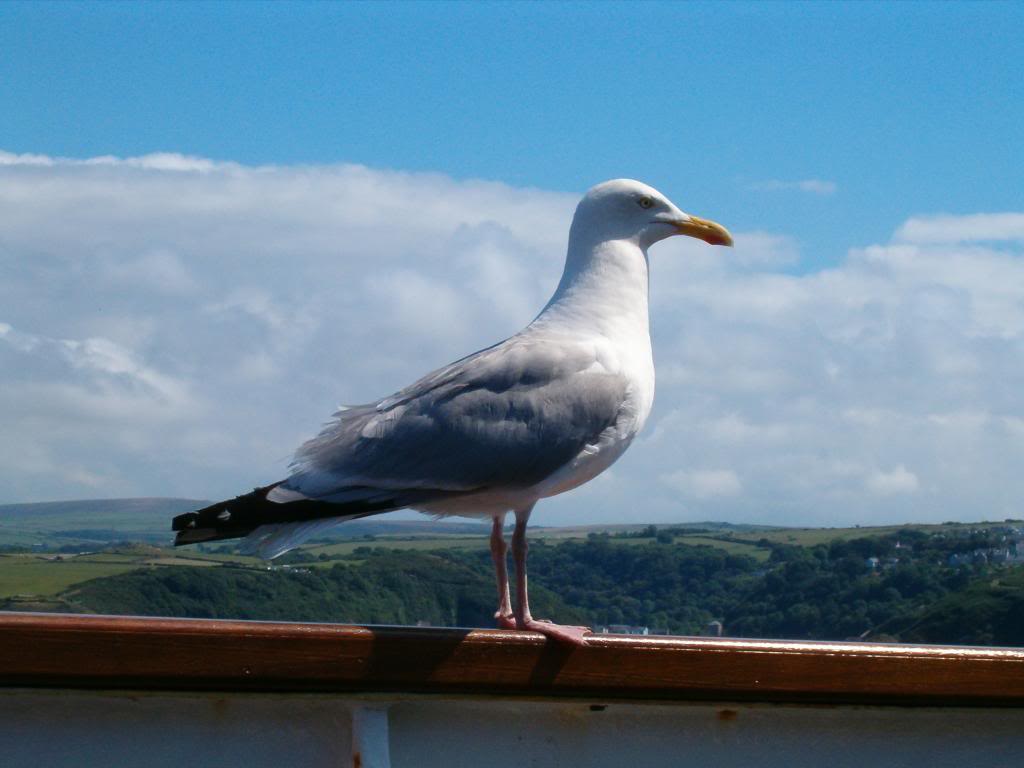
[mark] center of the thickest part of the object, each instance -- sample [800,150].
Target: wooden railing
[109,652]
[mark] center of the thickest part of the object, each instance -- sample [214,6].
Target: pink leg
[499,554]
[570,635]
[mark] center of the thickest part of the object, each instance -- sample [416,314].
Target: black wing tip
[200,535]
[215,521]
[240,516]
[185,521]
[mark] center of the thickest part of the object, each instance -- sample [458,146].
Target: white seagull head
[624,209]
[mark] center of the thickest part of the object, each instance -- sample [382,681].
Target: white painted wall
[39,729]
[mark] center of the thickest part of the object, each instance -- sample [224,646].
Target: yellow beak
[703,229]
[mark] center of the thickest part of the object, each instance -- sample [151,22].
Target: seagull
[533,416]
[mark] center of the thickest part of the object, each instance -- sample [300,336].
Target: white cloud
[165,161]
[899,480]
[763,250]
[905,355]
[979,227]
[151,304]
[704,483]
[812,186]
[104,372]
[159,270]
[176,326]
[8,158]
[156,161]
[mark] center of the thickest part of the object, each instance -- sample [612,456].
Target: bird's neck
[603,289]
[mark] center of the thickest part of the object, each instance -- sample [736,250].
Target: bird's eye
[645,202]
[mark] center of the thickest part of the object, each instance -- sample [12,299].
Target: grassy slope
[732,547]
[22,575]
[45,576]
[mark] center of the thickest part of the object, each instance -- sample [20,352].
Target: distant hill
[55,524]
[128,512]
[91,520]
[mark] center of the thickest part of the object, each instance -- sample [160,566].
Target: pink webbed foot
[562,634]
[505,621]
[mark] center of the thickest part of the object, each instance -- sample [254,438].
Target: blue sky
[219,221]
[905,107]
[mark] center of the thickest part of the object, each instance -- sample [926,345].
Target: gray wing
[507,416]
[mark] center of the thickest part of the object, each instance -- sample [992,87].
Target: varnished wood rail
[111,652]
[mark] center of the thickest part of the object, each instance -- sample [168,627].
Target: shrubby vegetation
[389,587]
[898,587]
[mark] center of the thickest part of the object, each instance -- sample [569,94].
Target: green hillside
[990,611]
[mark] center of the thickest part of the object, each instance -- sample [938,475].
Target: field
[730,546]
[419,543]
[31,575]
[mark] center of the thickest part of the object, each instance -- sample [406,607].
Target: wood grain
[110,652]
